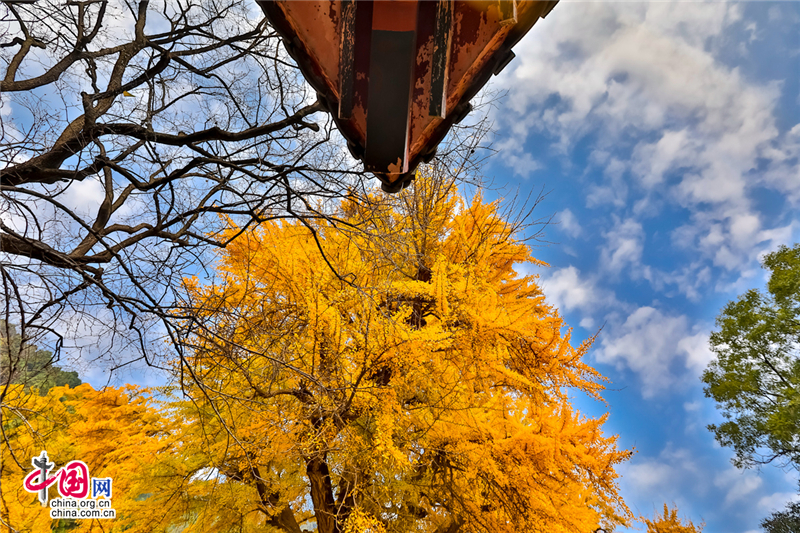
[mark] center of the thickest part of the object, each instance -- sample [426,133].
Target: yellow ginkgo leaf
[432,369]
[126,93]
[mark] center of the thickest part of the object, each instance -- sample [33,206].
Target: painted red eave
[481,46]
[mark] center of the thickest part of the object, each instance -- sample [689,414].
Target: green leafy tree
[787,521]
[756,375]
[23,363]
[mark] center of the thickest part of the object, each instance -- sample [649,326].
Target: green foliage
[64,525]
[787,521]
[756,375]
[25,364]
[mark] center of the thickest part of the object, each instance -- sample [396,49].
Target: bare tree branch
[133,133]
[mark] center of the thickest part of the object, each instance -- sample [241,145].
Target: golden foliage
[670,523]
[394,373]
[116,431]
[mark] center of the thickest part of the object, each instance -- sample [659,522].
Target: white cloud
[670,473]
[678,474]
[522,164]
[732,243]
[674,124]
[614,191]
[624,245]
[698,353]
[777,501]
[568,223]
[691,407]
[739,484]
[84,197]
[659,347]
[628,62]
[688,279]
[652,160]
[514,155]
[650,474]
[567,290]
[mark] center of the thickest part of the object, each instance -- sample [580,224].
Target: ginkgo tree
[669,522]
[116,432]
[395,373]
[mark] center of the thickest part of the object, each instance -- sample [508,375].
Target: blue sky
[668,136]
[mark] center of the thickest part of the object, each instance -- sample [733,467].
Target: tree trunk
[321,493]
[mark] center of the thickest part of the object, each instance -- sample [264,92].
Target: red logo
[73,479]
